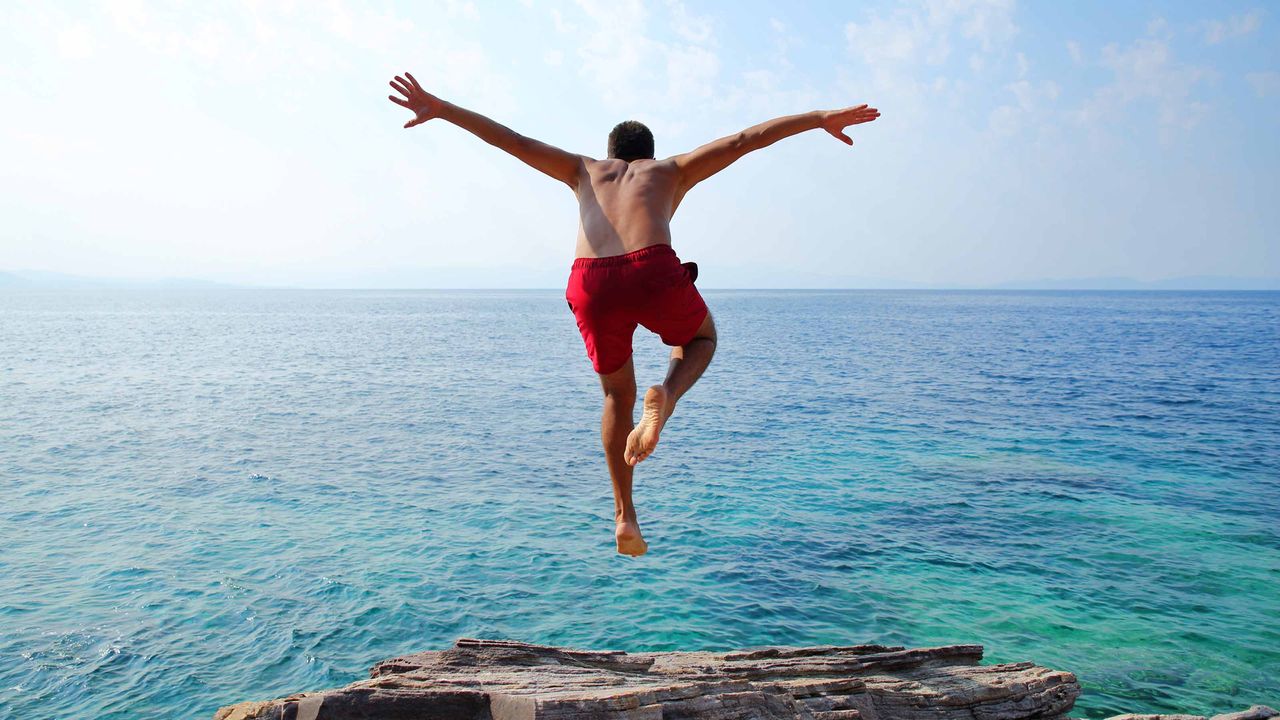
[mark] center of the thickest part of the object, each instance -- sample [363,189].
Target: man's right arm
[705,161]
[559,164]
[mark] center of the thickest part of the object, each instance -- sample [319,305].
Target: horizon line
[931,288]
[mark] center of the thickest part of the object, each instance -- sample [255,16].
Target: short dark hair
[630,140]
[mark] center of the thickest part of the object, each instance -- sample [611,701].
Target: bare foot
[630,541]
[644,438]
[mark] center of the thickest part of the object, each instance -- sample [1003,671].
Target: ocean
[212,496]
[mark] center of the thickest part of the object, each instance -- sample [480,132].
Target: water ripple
[216,496]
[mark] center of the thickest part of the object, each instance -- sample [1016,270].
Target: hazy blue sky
[253,142]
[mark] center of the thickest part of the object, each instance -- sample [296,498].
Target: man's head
[631,140]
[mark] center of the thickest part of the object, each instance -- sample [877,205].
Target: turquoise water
[218,496]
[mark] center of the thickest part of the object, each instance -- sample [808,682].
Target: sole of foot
[630,541]
[644,438]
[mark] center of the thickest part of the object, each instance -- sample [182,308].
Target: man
[625,273]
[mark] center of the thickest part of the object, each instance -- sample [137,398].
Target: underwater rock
[502,680]
[1257,712]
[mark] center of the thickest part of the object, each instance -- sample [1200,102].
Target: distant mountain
[42,279]
[13,280]
[712,277]
[1195,282]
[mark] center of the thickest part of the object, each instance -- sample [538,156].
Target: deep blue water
[219,496]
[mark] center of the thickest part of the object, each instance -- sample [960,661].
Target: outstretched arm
[559,164]
[717,155]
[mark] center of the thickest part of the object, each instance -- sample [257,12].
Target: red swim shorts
[609,296]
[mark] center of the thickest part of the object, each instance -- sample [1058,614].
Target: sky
[252,142]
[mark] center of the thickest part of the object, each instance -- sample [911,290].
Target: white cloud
[554,58]
[208,40]
[1216,31]
[462,8]
[692,28]
[906,50]
[902,37]
[659,63]
[1265,84]
[691,73]
[783,40]
[1005,120]
[1073,50]
[988,22]
[561,25]
[921,32]
[75,42]
[1031,101]
[658,68]
[1022,90]
[1147,71]
[615,47]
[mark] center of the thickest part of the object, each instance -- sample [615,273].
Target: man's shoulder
[661,165]
[644,165]
[658,170]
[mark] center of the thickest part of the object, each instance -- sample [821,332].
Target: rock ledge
[501,680]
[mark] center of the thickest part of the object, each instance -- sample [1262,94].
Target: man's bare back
[625,272]
[625,206]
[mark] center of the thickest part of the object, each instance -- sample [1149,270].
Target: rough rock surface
[1257,712]
[500,680]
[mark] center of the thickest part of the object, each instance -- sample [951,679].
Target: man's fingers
[407,87]
[413,80]
[864,117]
[859,111]
[397,101]
[403,90]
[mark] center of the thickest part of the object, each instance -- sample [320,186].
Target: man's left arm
[559,164]
[703,162]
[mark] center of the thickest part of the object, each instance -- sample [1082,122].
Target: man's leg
[615,425]
[687,365]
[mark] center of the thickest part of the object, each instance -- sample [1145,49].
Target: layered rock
[500,680]
[1257,712]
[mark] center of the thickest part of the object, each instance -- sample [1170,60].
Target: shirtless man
[625,273]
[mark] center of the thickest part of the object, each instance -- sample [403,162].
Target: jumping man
[624,272]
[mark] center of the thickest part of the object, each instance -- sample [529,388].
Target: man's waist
[644,253]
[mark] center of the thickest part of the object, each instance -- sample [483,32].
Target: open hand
[835,121]
[424,105]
